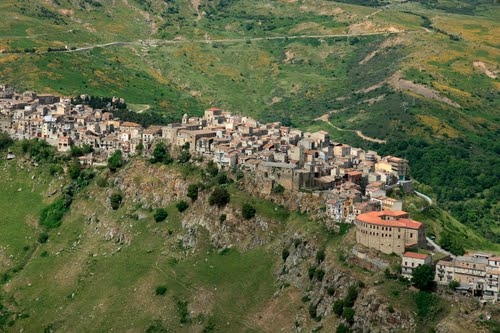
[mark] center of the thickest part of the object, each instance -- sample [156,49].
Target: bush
[5,140]
[278,189]
[311,272]
[284,254]
[161,155]
[330,291]
[102,182]
[423,277]
[43,237]
[184,157]
[342,328]
[222,178]
[222,218]
[348,314]
[338,307]
[220,197]
[115,200]
[313,312]
[212,169]
[248,211]
[454,284]
[192,192]
[182,206]
[160,215]
[52,215]
[74,170]
[116,161]
[352,295]
[320,256]
[319,274]
[160,290]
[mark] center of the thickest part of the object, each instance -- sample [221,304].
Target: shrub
[313,312]
[311,272]
[182,206]
[348,314]
[284,254]
[423,277]
[220,197]
[183,312]
[192,192]
[115,200]
[43,237]
[319,274]
[222,218]
[52,215]
[320,256]
[278,189]
[5,140]
[342,328]
[248,211]
[161,155]
[116,161]
[454,284]
[338,307]
[160,290]
[184,156]
[160,215]
[74,170]
[239,175]
[390,308]
[330,291]
[102,182]
[352,294]
[212,169]
[222,178]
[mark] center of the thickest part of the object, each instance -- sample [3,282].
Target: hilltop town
[354,181]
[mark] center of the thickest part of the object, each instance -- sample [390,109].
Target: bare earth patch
[483,68]
[420,89]
[385,44]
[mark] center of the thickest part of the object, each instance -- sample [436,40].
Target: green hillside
[421,75]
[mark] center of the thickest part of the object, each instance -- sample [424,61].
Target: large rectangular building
[389,231]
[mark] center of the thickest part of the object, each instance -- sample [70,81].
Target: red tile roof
[415,255]
[399,221]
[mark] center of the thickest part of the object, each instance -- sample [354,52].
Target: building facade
[389,231]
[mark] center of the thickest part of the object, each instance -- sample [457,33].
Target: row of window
[373,233]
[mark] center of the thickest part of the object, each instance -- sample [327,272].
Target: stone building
[411,260]
[389,231]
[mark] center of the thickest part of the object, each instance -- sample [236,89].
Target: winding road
[358,132]
[160,42]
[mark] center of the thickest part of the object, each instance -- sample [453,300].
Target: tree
[222,178]
[338,307]
[160,290]
[116,160]
[161,154]
[248,211]
[342,328]
[5,140]
[192,191]
[423,277]
[320,256]
[454,284]
[184,156]
[348,314]
[219,196]
[284,254]
[278,189]
[139,148]
[115,200]
[182,206]
[212,169]
[74,170]
[160,215]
